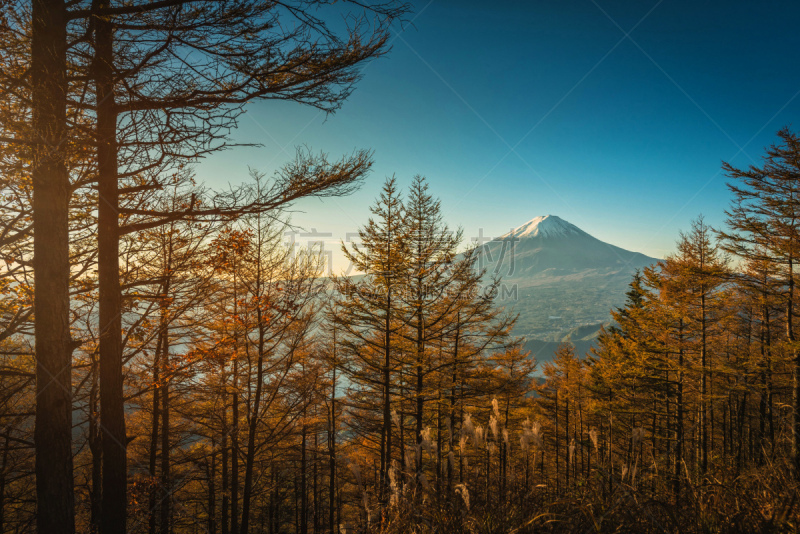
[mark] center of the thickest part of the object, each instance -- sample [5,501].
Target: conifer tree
[764,225]
[51,192]
[150,110]
[692,277]
[428,298]
[369,313]
[757,285]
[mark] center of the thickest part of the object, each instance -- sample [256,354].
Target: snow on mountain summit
[548,246]
[545,226]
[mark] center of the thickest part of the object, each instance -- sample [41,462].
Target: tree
[369,310]
[757,286]
[150,111]
[51,193]
[764,223]
[692,277]
[279,312]
[427,299]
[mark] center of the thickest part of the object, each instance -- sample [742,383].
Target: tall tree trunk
[296,498]
[252,428]
[580,428]
[566,439]
[152,503]
[303,484]
[419,393]
[225,453]
[332,445]
[795,372]
[610,459]
[212,489]
[3,465]
[504,449]
[315,488]
[768,373]
[439,443]
[679,424]
[764,393]
[166,482]
[235,450]
[96,449]
[453,386]
[112,410]
[703,387]
[741,419]
[51,193]
[272,491]
[386,458]
[558,447]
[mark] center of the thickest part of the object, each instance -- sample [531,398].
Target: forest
[170,364]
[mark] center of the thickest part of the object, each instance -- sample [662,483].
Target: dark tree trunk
[296,499]
[251,431]
[112,410]
[765,405]
[51,193]
[96,449]
[332,446]
[703,453]
[303,481]
[225,453]
[795,365]
[420,379]
[3,464]
[212,489]
[567,462]
[439,443]
[235,451]
[741,419]
[386,457]
[152,503]
[166,489]
[558,451]
[679,424]
[453,386]
[315,488]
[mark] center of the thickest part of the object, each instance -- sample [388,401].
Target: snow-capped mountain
[549,246]
[562,281]
[544,226]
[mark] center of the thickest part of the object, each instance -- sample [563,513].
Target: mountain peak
[545,226]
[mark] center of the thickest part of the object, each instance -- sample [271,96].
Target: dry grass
[763,500]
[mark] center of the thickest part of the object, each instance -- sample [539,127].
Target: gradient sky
[614,115]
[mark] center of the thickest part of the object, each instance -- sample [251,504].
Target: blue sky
[614,115]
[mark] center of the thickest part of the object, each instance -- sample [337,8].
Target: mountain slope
[548,246]
[559,278]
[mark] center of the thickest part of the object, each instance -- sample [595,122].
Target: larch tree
[51,193]
[369,312]
[279,287]
[758,287]
[694,276]
[764,224]
[166,82]
[169,80]
[431,277]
